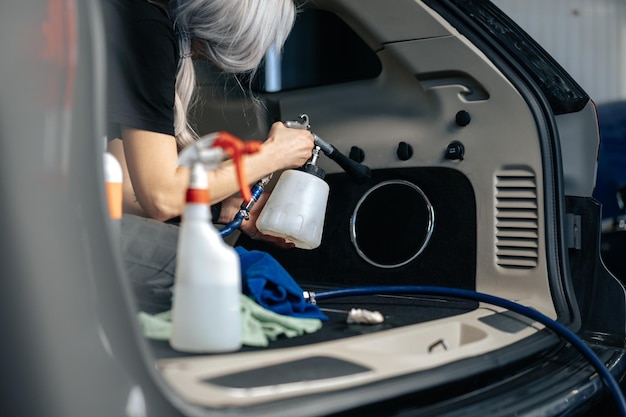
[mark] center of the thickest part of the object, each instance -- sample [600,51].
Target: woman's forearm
[284,148]
[154,184]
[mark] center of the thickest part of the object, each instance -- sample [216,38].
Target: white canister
[297,207]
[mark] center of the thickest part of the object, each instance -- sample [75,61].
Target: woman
[151,83]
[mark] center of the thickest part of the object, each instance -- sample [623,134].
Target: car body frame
[513,217]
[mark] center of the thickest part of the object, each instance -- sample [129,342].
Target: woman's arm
[154,184]
[284,148]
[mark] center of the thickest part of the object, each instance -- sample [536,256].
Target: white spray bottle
[206,310]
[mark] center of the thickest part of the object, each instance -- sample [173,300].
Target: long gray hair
[234,35]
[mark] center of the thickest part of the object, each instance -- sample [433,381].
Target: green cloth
[259,325]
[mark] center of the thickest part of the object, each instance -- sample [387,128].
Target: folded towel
[271,286]
[259,326]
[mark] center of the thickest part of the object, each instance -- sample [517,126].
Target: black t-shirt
[142,60]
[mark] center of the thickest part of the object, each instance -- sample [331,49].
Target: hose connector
[309,297]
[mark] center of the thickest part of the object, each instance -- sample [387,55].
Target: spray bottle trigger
[210,150]
[236,148]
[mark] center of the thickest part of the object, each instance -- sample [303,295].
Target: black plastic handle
[356,170]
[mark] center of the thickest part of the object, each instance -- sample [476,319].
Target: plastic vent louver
[517,234]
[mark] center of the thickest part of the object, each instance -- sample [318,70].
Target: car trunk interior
[455,199]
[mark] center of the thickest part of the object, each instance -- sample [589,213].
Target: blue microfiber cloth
[271,286]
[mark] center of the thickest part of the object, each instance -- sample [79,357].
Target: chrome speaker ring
[424,235]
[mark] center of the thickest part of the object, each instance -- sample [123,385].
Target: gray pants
[149,253]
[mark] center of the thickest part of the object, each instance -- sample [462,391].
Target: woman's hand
[284,148]
[231,206]
[290,148]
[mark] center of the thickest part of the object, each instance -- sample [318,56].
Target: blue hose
[244,211]
[232,225]
[555,326]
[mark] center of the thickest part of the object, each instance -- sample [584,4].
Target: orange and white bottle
[113,177]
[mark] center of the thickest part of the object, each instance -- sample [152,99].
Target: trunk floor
[397,310]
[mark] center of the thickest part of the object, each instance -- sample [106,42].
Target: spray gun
[297,207]
[357,171]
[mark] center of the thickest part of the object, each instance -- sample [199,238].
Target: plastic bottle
[206,311]
[296,209]
[113,177]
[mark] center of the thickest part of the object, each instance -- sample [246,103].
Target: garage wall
[587,37]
